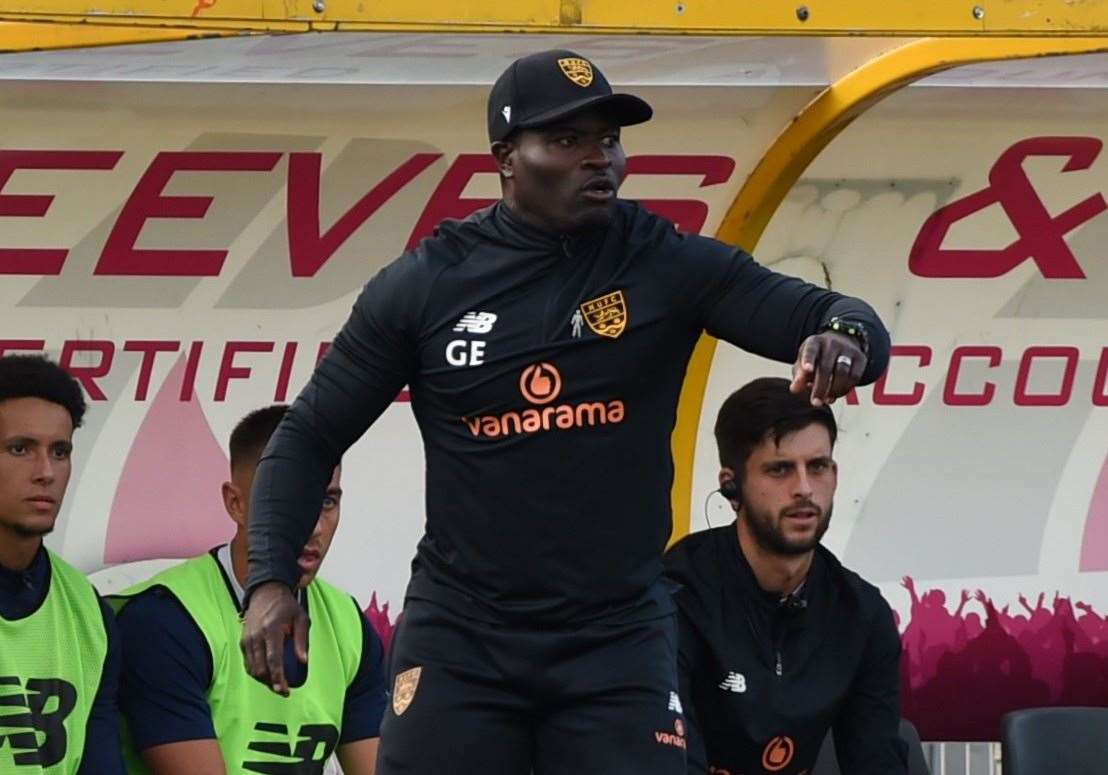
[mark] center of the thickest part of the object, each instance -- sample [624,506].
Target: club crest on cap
[577,70]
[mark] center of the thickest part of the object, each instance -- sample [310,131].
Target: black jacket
[763,681]
[544,373]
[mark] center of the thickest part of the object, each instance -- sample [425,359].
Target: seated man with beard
[778,641]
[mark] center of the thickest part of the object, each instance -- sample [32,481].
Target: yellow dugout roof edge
[907,18]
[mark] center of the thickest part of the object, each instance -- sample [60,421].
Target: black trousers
[472,698]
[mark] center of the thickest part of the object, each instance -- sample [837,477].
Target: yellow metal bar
[791,153]
[910,18]
[834,108]
[32,36]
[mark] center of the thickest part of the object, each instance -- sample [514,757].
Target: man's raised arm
[835,342]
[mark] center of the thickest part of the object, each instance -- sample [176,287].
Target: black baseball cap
[550,85]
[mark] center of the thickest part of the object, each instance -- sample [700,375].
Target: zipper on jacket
[779,646]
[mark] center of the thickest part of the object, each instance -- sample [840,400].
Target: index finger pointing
[275,660]
[300,635]
[805,366]
[253,653]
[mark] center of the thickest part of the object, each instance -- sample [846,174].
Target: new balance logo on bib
[283,754]
[32,719]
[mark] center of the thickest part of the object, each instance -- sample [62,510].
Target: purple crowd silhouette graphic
[961,671]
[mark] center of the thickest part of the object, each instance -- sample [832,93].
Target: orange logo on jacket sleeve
[779,752]
[403,691]
[675,738]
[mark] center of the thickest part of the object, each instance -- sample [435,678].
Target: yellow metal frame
[911,18]
[35,36]
[791,153]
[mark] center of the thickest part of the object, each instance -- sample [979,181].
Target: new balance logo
[734,682]
[476,322]
[314,744]
[36,736]
[675,703]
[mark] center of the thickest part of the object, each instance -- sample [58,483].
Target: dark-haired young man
[778,641]
[545,341]
[59,651]
[190,706]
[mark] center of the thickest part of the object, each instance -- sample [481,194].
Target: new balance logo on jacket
[476,322]
[734,682]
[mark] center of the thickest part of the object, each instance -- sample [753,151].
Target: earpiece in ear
[730,490]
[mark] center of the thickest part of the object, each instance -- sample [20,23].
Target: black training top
[544,375]
[763,678]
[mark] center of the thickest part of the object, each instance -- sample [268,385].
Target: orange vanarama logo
[779,752]
[577,70]
[670,738]
[403,691]
[540,384]
[606,315]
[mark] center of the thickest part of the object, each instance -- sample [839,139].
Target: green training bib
[50,668]
[258,730]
